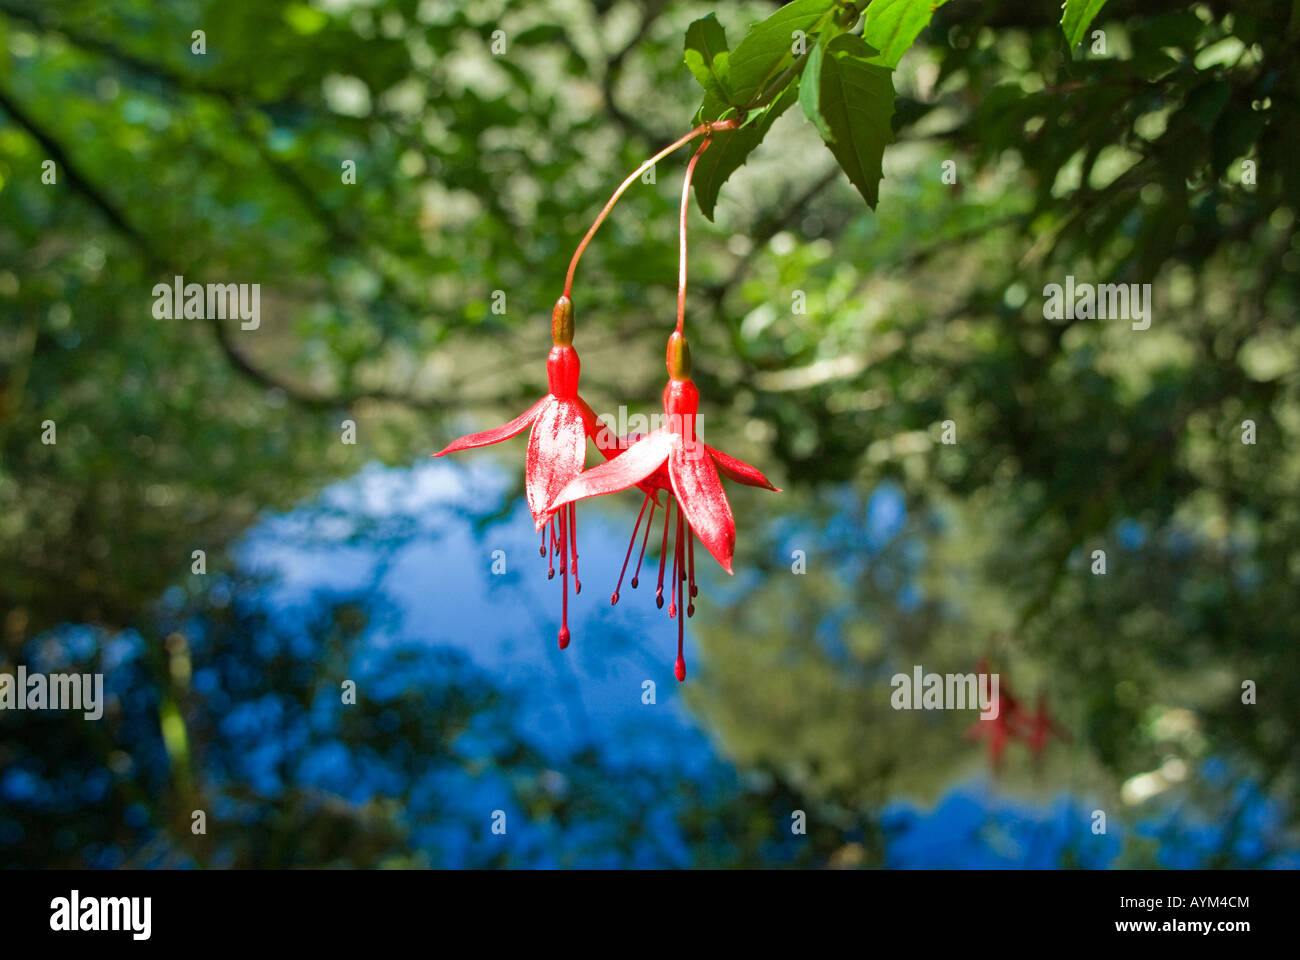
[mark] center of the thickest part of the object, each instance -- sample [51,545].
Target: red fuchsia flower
[670,458]
[1001,729]
[561,421]
[1013,722]
[557,450]
[1039,727]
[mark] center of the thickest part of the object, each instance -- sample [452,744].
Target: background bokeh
[1170,159]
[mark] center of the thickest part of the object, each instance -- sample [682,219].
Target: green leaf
[1078,16]
[304,19]
[731,148]
[1153,65]
[539,35]
[891,26]
[1234,136]
[857,100]
[1204,104]
[810,85]
[706,56]
[768,47]
[713,108]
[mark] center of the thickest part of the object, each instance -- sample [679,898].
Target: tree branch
[158,262]
[72,174]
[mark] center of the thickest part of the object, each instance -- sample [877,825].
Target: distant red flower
[1040,726]
[999,730]
[561,422]
[1014,723]
[670,458]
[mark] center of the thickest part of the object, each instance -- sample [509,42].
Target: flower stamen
[663,553]
[679,668]
[677,553]
[550,556]
[684,600]
[613,599]
[573,544]
[564,578]
[636,574]
[690,550]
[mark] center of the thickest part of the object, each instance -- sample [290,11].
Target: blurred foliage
[478,173]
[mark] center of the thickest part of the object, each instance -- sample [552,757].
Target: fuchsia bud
[562,323]
[679,357]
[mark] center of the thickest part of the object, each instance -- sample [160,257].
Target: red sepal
[496,435]
[557,449]
[739,470]
[627,469]
[700,495]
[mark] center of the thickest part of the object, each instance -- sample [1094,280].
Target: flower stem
[707,127]
[681,266]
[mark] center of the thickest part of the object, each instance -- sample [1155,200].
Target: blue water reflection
[466,710]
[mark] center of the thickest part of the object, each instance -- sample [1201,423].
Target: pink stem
[702,128]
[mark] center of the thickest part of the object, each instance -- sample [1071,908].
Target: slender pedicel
[630,544]
[707,127]
[681,262]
